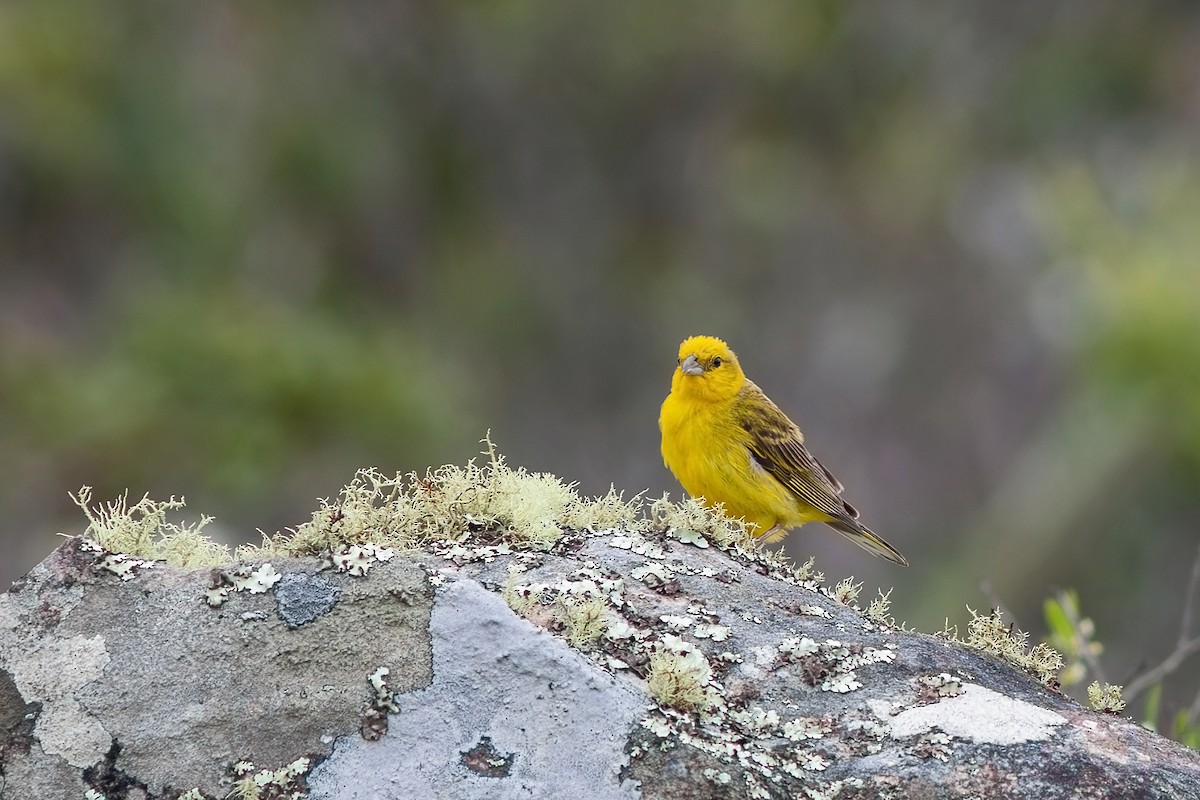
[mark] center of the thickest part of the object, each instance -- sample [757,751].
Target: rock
[511,713]
[637,667]
[165,693]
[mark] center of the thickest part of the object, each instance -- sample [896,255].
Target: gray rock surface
[149,688]
[139,689]
[554,725]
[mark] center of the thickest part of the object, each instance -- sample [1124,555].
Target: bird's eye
[717,361]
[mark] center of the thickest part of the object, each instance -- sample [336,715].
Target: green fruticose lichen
[680,677]
[879,609]
[585,618]
[142,529]
[518,597]
[498,503]
[581,606]
[989,633]
[495,502]
[252,783]
[847,591]
[1105,697]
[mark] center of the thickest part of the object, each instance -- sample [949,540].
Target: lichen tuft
[679,678]
[142,529]
[1105,697]
[989,633]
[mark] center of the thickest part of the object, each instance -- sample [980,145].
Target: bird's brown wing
[778,445]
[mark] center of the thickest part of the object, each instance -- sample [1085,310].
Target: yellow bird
[728,443]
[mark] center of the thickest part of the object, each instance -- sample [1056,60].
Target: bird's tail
[867,539]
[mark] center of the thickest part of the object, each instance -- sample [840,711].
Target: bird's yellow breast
[709,452]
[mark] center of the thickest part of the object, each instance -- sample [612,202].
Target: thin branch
[1189,597]
[1168,665]
[1184,648]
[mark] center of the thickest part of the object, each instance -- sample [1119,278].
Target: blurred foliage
[1073,635]
[1186,728]
[231,393]
[1133,235]
[1185,723]
[247,249]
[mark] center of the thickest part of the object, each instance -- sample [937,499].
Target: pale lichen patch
[678,622]
[636,543]
[717,633]
[803,728]
[977,714]
[50,675]
[251,783]
[621,629]
[932,688]
[831,664]
[357,559]
[718,777]
[934,744]
[652,574]
[123,565]
[689,536]
[383,697]
[245,578]
[256,581]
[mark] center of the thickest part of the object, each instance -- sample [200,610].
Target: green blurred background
[248,248]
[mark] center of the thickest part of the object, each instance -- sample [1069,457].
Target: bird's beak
[691,366]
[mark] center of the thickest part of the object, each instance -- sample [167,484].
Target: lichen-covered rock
[614,665]
[511,713]
[140,685]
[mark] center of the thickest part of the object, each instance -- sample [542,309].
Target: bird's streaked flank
[728,443]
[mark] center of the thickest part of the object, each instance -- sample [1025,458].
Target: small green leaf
[1185,730]
[1058,622]
[1150,713]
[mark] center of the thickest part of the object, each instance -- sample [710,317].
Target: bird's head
[707,369]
